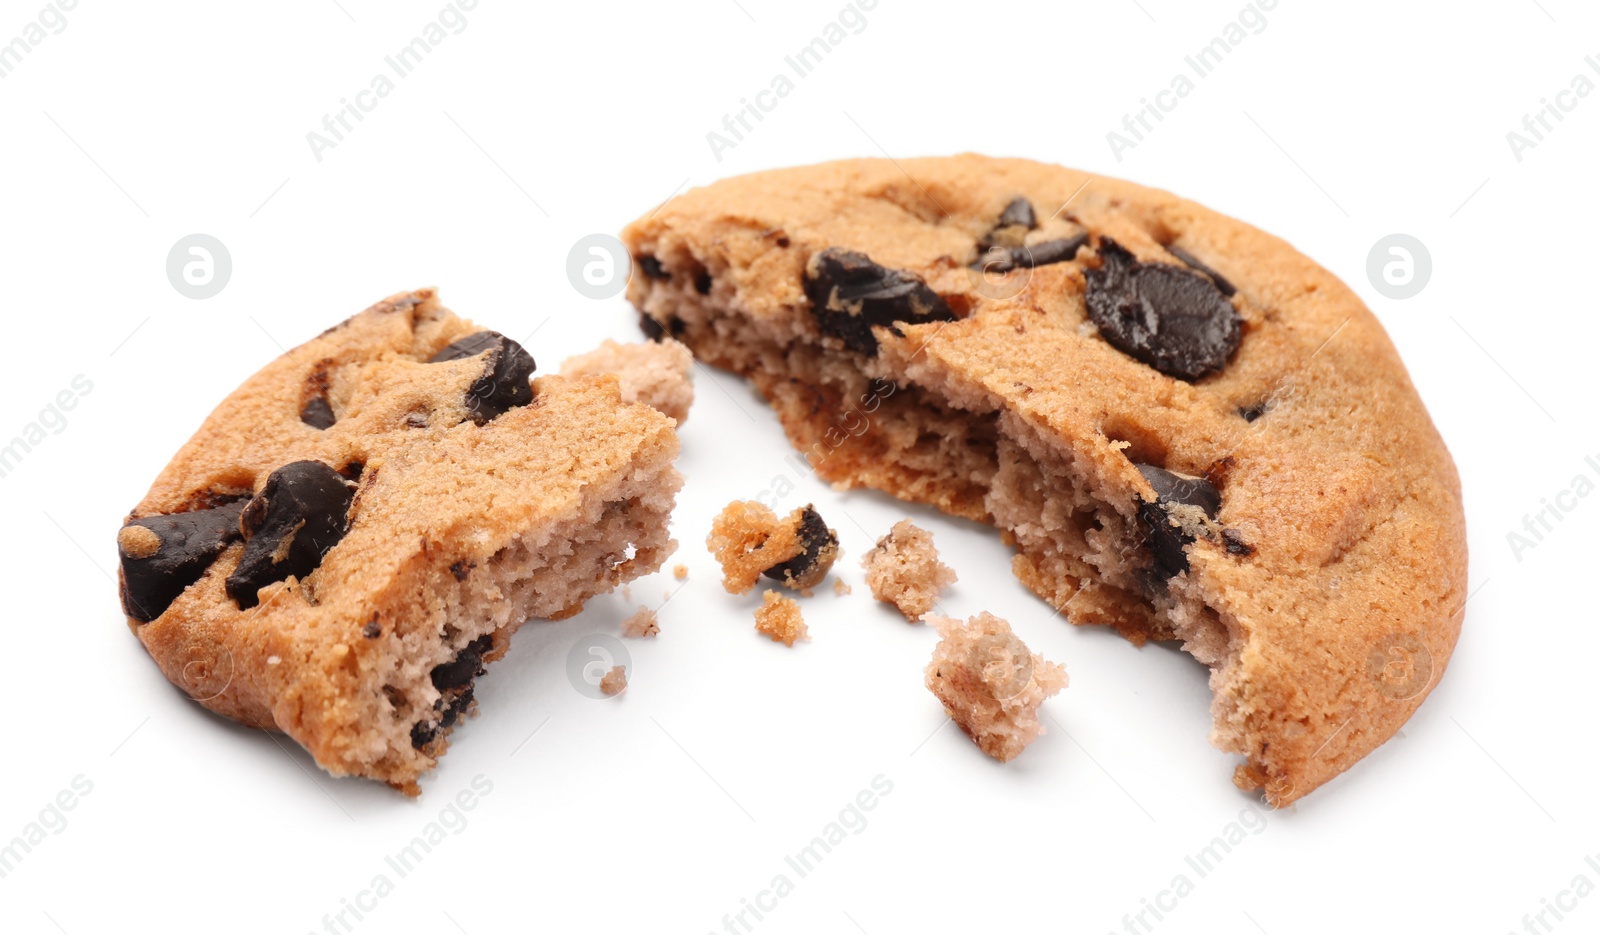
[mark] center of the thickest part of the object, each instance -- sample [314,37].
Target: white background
[660,811]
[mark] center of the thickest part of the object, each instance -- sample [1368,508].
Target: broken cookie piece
[779,619]
[347,580]
[903,569]
[614,682]
[750,541]
[990,683]
[655,373]
[641,625]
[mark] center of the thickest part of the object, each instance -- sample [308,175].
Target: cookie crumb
[779,618]
[749,540]
[990,683]
[641,624]
[680,572]
[840,588]
[613,683]
[655,373]
[903,569]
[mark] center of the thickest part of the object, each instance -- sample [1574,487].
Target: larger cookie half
[1187,429]
[358,529]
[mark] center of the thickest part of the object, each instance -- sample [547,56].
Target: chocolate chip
[1236,545]
[1167,531]
[372,630]
[1006,259]
[460,570]
[317,413]
[1175,320]
[297,517]
[457,707]
[1009,229]
[652,329]
[1191,261]
[821,547]
[163,555]
[850,294]
[1252,413]
[702,283]
[466,666]
[422,734]
[504,382]
[652,267]
[1019,213]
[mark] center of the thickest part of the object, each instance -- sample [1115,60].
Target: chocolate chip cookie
[356,532]
[1188,430]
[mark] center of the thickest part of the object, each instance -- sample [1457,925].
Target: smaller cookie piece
[614,682]
[779,619]
[990,683]
[840,587]
[655,373]
[749,541]
[904,570]
[680,572]
[642,624]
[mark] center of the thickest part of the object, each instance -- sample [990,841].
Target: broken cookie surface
[1065,356]
[346,578]
[656,373]
[990,683]
[903,569]
[750,542]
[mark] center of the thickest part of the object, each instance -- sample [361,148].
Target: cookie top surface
[1112,327]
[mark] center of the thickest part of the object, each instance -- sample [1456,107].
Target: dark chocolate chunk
[466,666]
[460,570]
[1165,534]
[372,630]
[1235,544]
[849,294]
[1006,259]
[1252,413]
[457,707]
[821,547]
[652,329]
[1009,229]
[504,382]
[162,555]
[702,283]
[296,518]
[1175,320]
[1019,213]
[317,413]
[1193,262]
[652,267]
[422,734]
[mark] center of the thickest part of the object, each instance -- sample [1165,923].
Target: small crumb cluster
[779,619]
[680,572]
[904,570]
[990,683]
[655,373]
[614,682]
[750,541]
[641,624]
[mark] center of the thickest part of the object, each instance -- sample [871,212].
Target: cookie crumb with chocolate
[779,619]
[749,541]
[990,683]
[655,373]
[903,569]
[614,682]
[642,624]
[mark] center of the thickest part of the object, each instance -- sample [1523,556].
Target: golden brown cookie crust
[1332,607]
[454,526]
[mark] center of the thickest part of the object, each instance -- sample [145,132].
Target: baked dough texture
[1186,429]
[457,532]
